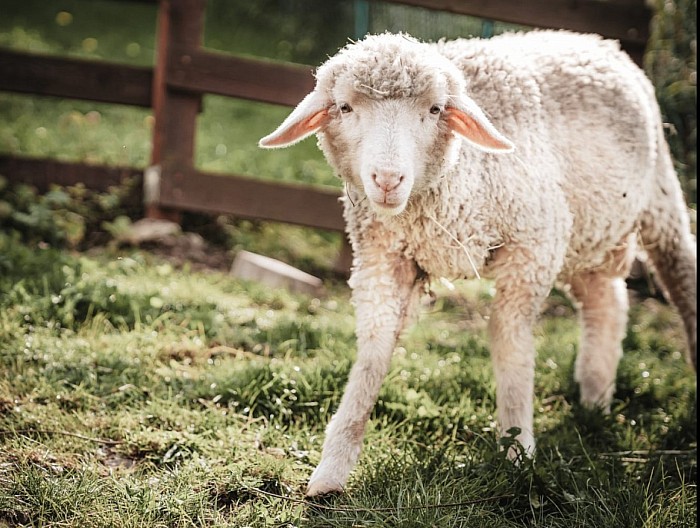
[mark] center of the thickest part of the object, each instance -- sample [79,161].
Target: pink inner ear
[300,129]
[470,128]
[317,120]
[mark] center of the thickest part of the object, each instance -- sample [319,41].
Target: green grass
[136,394]
[133,393]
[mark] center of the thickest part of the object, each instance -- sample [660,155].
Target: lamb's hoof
[599,402]
[319,487]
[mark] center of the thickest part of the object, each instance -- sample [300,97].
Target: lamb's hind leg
[668,241]
[667,238]
[603,308]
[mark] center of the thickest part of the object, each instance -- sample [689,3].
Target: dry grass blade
[386,509]
[105,441]
[459,243]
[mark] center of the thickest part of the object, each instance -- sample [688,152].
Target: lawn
[134,393]
[138,391]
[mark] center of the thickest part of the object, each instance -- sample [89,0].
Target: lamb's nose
[387,180]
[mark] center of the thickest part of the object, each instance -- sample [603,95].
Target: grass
[133,393]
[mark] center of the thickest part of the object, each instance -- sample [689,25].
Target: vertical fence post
[180,32]
[361,18]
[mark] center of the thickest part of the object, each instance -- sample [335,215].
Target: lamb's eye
[435,109]
[345,108]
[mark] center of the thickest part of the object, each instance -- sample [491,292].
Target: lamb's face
[387,132]
[388,111]
[388,147]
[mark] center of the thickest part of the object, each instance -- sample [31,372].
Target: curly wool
[380,67]
[547,91]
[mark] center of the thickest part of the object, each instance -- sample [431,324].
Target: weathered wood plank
[180,22]
[42,173]
[193,190]
[208,72]
[625,20]
[75,78]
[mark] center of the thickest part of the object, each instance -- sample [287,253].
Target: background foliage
[671,62]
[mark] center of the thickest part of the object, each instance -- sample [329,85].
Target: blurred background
[297,31]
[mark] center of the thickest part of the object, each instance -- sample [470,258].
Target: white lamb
[569,171]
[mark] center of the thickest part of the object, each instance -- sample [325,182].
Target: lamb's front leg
[521,287]
[382,292]
[513,357]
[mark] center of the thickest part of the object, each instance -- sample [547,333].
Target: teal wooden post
[487,29]
[361,18]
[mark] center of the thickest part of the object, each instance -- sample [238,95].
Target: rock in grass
[149,230]
[274,273]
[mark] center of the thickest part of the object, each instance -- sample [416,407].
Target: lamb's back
[581,113]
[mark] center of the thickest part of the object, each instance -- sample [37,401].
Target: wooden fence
[184,71]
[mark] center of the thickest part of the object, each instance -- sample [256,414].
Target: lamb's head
[389,112]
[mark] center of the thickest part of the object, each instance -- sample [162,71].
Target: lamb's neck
[452,199]
[448,231]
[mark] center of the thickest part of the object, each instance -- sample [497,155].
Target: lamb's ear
[308,117]
[465,118]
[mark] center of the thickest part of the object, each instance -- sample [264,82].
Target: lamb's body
[575,184]
[591,171]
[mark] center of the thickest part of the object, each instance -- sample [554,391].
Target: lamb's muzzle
[388,191]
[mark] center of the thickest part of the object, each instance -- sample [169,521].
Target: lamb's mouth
[387,208]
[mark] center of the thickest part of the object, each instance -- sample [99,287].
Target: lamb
[532,159]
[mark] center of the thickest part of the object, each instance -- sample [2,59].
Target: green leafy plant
[671,63]
[65,216]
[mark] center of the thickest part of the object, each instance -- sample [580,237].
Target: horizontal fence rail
[281,202]
[624,20]
[256,80]
[89,80]
[42,173]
